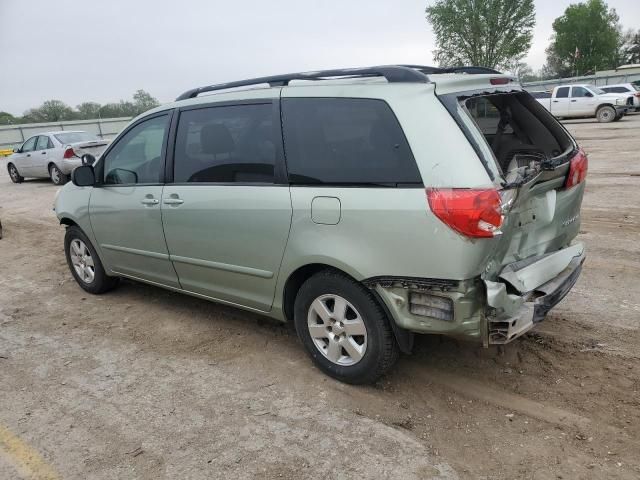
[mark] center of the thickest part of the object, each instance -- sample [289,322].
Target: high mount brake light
[577,169]
[69,153]
[475,213]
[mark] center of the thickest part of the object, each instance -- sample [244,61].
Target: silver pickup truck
[584,100]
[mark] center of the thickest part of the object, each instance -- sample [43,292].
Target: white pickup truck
[584,100]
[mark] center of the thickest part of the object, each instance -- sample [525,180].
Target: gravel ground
[145,383]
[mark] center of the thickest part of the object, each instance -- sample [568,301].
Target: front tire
[344,329]
[84,263]
[13,174]
[606,114]
[57,177]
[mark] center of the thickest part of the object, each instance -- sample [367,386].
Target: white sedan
[53,155]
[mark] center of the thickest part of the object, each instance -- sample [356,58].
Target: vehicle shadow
[200,320]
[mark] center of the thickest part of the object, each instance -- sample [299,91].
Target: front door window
[137,157]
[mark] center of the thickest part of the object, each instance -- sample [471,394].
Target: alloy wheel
[337,329]
[82,261]
[13,173]
[55,174]
[605,114]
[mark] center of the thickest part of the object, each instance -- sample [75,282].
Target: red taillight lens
[499,81]
[637,94]
[472,212]
[69,153]
[577,169]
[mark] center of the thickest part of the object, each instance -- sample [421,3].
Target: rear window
[75,137]
[345,141]
[517,129]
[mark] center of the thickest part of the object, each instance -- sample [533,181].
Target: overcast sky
[90,50]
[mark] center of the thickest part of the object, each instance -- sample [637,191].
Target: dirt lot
[143,383]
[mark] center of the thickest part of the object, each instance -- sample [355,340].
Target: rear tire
[57,177]
[606,114]
[13,174]
[84,263]
[352,339]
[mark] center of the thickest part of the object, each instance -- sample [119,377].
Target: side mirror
[588,94]
[88,159]
[83,176]
[16,150]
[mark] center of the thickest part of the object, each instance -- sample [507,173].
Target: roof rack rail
[393,74]
[461,69]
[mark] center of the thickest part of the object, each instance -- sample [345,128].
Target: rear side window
[562,92]
[43,143]
[345,141]
[230,144]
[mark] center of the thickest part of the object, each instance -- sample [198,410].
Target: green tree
[628,47]
[143,101]
[585,39]
[7,119]
[525,73]
[546,72]
[88,110]
[486,33]
[50,111]
[634,49]
[120,109]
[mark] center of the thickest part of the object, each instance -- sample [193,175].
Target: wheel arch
[602,105]
[294,281]
[297,278]
[69,222]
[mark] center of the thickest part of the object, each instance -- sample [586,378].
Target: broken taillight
[472,212]
[69,153]
[577,169]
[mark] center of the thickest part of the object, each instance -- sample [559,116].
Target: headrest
[215,138]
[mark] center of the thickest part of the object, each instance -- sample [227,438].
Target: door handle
[173,201]
[574,100]
[28,154]
[44,153]
[150,201]
[556,101]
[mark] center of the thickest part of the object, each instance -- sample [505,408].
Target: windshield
[636,87]
[75,137]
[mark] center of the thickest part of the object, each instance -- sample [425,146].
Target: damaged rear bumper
[527,290]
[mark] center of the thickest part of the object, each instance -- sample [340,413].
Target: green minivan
[363,205]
